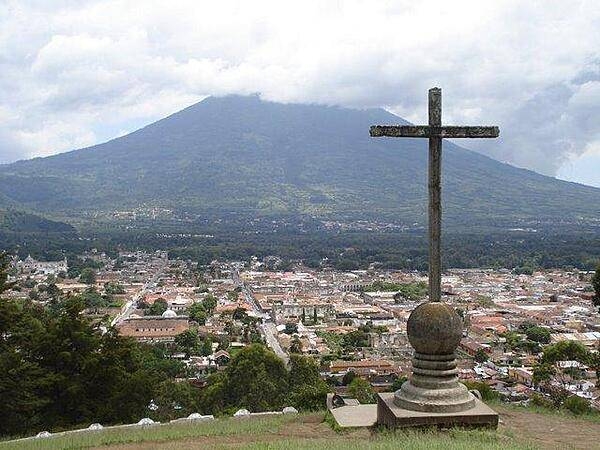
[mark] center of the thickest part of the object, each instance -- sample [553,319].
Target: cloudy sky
[75,73]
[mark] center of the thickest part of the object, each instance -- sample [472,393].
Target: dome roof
[169,313]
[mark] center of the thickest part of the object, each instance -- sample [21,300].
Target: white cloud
[77,72]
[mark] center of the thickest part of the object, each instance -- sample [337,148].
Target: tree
[157,308]
[549,368]
[308,392]
[361,390]
[481,356]
[206,347]
[487,393]
[174,400]
[348,377]
[290,328]
[187,341]
[256,380]
[114,288]
[209,303]
[296,345]
[197,313]
[538,334]
[88,276]
[4,269]
[239,314]
[59,370]
[315,318]
[596,286]
[93,299]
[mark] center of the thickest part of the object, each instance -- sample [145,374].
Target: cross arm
[425,131]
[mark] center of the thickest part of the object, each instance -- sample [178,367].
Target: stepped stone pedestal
[433,396]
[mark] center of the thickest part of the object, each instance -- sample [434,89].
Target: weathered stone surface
[426,131]
[241,413]
[435,132]
[290,410]
[391,415]
[355,416]
[434,328]
[433,393]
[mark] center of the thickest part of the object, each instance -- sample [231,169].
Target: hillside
[520,429]
[21,222]
[244,155]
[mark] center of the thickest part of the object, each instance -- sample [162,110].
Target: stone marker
[290,410]
[433,395]
[146,421]
[241,413]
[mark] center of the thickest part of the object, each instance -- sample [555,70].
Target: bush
[541,401]
[577,405]
[362,390]
[487,393]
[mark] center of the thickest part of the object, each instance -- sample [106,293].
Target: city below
[352,323]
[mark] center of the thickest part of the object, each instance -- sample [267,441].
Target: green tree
[209,303]
[348,377]
[549,368]
[361,390]
[187,341]
[92,298]
[4,270]
[538,334]
[290,328]
[157,308]
[88,276]
[308,391]
[197,313]
[206,347]
[255,379]
[114,288]
[596,286]
[296,345]
[174,400]
[398,382]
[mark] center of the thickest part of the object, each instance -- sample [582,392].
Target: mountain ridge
[245,155]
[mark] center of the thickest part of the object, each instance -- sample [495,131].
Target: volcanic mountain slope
[241,154]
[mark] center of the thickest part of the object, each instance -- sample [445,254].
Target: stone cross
[434,132]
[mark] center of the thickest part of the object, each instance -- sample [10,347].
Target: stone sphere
[434,328]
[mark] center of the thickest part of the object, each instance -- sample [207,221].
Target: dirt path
[549,431]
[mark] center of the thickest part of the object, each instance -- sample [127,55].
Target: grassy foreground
[519,429]
[277,432]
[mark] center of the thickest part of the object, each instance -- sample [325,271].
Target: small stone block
[390,415]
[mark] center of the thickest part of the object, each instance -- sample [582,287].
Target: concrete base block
[390,415]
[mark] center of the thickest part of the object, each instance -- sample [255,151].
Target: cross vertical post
[435,132]
[435,193]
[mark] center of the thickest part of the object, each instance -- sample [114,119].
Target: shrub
[577,405]
[487,393]
[541,401]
